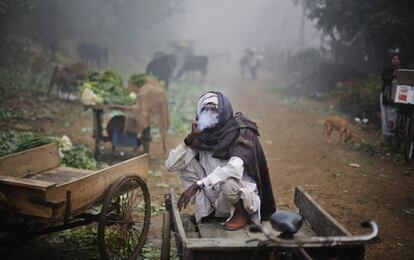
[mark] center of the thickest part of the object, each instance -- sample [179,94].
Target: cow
[67,79]
[193,64]
[93,54]
[162,66]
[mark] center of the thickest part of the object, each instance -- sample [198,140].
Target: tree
[116,24]
[364,31]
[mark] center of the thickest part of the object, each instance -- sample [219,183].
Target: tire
[166,236]
[124,220]
[399,133]
[408,140]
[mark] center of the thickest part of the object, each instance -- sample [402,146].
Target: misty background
[295,36]
[133,31]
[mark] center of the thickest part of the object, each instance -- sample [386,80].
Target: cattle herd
[165,66]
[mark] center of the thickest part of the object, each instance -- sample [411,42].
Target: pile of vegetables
[78,156]
[10,140]
[138,79]
[106,88]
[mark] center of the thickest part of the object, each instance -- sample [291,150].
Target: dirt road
[297,153]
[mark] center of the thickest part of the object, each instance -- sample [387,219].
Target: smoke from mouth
[207,119]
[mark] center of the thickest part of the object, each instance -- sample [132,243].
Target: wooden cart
[98,111]
[39,196]
[322,237]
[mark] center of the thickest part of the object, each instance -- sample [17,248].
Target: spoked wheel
[408,140]
[398,137]
[166,236]
[125,219]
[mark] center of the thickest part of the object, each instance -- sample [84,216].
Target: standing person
[253,63]
[388,112]
[222,164]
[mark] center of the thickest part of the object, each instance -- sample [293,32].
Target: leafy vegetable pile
[108,88]
[10,140]
[79,157]
[138,79]
[72,156]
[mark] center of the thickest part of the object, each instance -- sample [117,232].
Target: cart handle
[329,241]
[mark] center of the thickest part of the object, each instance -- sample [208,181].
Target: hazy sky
[237,24]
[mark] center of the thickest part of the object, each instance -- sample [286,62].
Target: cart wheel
[408,140]
[124,219]
[166,236]
[398,137]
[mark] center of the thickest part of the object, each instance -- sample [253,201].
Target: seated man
[222,163]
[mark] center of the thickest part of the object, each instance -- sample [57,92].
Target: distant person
[388,112]
[243,66]
[249,63]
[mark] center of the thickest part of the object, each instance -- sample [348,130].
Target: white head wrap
[206,99]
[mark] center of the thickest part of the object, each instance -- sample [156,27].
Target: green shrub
[15,80]
[363,93]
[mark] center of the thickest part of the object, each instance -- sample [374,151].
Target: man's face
[395,61]
[208,117]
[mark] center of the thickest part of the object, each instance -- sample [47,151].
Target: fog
[132,31]
[234,25]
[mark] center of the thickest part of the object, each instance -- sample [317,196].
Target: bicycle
[403,97]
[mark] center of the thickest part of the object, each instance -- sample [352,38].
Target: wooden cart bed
[211,241]
[33,183]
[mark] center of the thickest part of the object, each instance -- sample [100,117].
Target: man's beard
[207,119]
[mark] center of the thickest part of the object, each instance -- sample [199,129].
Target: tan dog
[339,124]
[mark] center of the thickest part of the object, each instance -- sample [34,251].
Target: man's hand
[191,136]
[186,196]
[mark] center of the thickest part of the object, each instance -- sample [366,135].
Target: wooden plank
[237,234]
[220,243]
[189,226]
[90,189]
[177,220]
[320,221]
[305,231]
[60,175]
[27,183]
[70,171]
[14,199]
[260,235]
[30,161]
[211,230]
